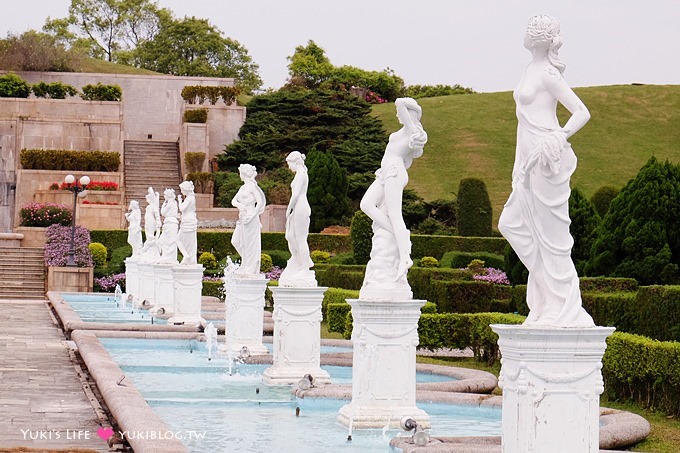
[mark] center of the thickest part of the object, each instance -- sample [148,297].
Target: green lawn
[105,67]
[474,136]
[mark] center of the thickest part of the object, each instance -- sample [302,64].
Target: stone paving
[42,401]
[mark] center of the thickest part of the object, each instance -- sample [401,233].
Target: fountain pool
[231,409]
[106,308]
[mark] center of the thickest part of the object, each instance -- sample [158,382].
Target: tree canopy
[640,235]
[335,122]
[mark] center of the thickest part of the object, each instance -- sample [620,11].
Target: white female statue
[152,225]
[297,272]
[391,248]
[535,219]
[250,201]
[186,239]
[168,239]
[134,218]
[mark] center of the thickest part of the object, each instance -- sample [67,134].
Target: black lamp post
[76,189]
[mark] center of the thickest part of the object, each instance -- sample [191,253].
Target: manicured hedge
[336,296]
[657,313]
[459,260]
[334,276]
[60,159]
[421,278]
[340,316]
[215,289]
[426,245]
[471,297]
[643,370]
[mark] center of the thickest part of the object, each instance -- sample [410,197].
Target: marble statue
[187,239]
[250,201]
[391,248]
[134,218]
[168,239]
[152,225]
[297,272]
[535,219]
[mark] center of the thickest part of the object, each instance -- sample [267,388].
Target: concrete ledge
[127,405]
[10,239]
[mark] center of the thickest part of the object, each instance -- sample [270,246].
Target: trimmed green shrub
[13,86]
[602,198]
[459,331]
[208,260]
[54,90]
[197,94]
[101,92]
[428,261]
[194,162]
[474,216]
[213,288]
[423,245]
[516,271]
[203,181]
[584,223]
[320,257]
[99,253]
[340,276]
[644,371]
[112,239]
[117,261]
[337,314]
[421,280]
[336,296]
[342,259]
[266,263]
[327,191]
[55,159]
[279,257]
[196,116]
[460,260]
[361,232]
[471,297]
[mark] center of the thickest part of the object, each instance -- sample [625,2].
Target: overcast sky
[475,43]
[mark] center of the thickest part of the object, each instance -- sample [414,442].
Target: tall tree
[327,192]
[583,228]
[193,47]
[640,235]
[309,66]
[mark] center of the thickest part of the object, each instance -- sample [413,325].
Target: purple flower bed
[274,274]
[108,283]
[493,275]
[58,243]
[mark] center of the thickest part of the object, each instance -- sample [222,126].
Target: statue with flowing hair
[152,226]
[391,245]
[250,201]
[134,218]
[168,238]
[535,219]
[298,271]
[187,242]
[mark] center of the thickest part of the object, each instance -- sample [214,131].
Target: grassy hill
[106,67]
[474,136]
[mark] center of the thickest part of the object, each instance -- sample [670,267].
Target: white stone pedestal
[146,285]
[297,337]
[132,277]
[164,289]
[244,316]
[187,294]
[385,336]
[552,382]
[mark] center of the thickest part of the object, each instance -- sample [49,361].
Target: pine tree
[474,208]
[584,223]
[327,191]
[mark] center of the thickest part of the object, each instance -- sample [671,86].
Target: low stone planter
[70,279]
[33,236]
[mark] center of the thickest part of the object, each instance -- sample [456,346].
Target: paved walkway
[42,401]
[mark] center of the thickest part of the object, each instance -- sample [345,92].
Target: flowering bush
[58,242]
[374,98]
[492,275]
[44,214]
[274,273]
[108,283]
[93,185]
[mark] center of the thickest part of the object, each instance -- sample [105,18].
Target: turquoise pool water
[104,308]
[231,409]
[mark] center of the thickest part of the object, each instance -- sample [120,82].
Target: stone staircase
[22,273]
[150,164]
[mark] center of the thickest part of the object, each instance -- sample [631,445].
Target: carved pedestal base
[551,380]
[297,341]
[164,289]
[188,283]
[132,276]
[244,316]
[146,287]
[385,336]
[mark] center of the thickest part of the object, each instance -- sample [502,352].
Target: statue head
[134,205]
[247,171]
[152,197]
[169,194]
[544,31]
[187,187]
[295,160]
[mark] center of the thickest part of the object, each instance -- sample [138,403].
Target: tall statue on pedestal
[152,225]
[391,249]
[168,238]
[535,219]
[250,201]
[297,272]
[134,218]
[187,240]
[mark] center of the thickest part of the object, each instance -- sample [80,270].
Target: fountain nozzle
[420,436]
[306,382]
